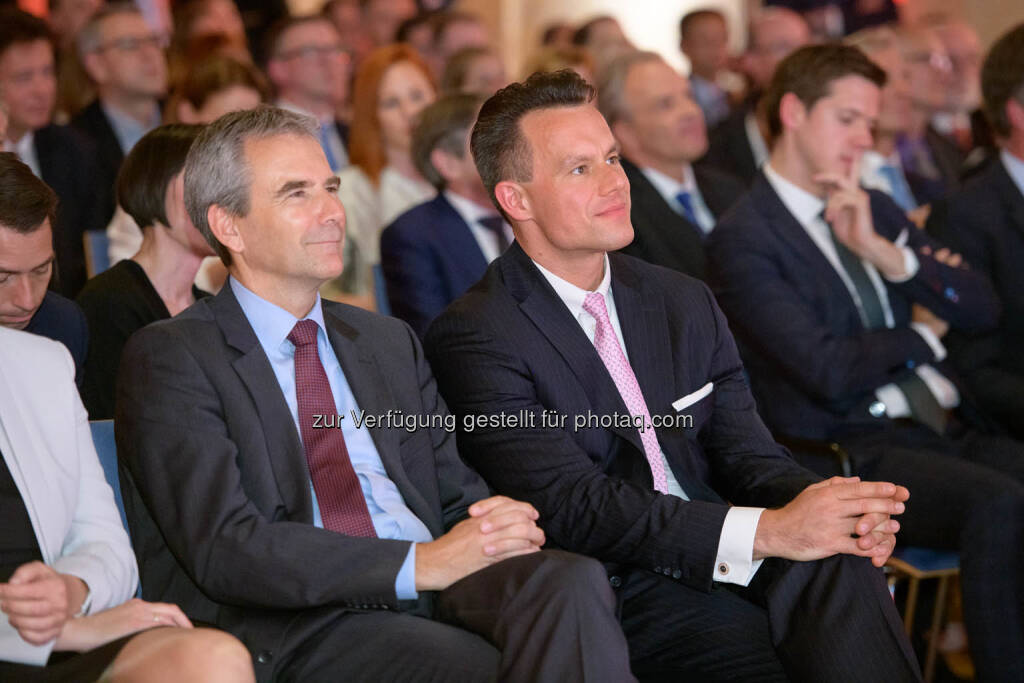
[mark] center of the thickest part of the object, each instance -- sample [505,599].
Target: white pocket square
[690,399]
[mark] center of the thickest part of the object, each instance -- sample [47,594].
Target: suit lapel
[541,305]
[459,241]
[370,390]
[284,447]
[1009,193]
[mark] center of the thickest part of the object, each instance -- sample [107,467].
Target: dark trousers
[830,620]
[966,495]
[547,616]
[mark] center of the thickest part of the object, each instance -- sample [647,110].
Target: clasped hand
[497,528]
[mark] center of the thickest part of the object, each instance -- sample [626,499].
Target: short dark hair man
[316,536]
[842,303]
[704,39]
[674,204]
[434,252]
[985,223]
[636,426]
[27,209]
[57,154]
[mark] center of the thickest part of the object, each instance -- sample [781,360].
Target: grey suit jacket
[217,486]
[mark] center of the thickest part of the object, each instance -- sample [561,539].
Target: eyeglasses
[133,43]
[939,61]
[312,52]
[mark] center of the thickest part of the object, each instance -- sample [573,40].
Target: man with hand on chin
[777,585]
[324,549]
[842,303]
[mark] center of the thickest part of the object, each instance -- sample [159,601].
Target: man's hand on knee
[838,515]
[498,528]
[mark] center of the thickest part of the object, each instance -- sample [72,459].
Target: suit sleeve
[483,374]
[174,439]
[777,322]
[413,284]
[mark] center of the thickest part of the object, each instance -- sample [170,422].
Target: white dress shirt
[25,148]
[471,212]
[734,562]
[1014,167]
[669,188]
[806,209]
[758,146]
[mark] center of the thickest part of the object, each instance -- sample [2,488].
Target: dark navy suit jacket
[511,346]
[429,257]
[813,364]
[62,320]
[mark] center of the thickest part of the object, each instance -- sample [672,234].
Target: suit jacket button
[876,409]
[615,581]
[676,574]
[657,570]
[666,571]
[951,294]
[264,657]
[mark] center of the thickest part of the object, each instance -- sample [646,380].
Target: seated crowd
[418,373]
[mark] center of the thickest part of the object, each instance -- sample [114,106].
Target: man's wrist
[764,536]
[886,257]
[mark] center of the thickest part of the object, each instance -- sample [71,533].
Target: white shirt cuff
[734,562]
[910,266]
[931,339]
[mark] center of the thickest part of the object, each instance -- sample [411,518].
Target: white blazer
[47,445]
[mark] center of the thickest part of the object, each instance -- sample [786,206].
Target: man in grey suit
[295,475]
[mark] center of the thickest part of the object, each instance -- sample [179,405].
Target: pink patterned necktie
[607,345]
[342,505]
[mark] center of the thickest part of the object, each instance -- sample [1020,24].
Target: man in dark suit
[660,130]
[434,252]
[310,70]
[27,209]
[62,158]
[296,478]
[124,57]
[631,459]
[842,304]
[985,222]
[737,144]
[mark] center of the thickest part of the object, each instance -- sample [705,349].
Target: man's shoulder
[27,349]
[671,282]
[422,221]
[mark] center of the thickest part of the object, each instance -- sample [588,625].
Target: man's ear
[224,226]
[95,67]
[513,200]
[1015,114]
[625,134]
[792,112]
[443,162]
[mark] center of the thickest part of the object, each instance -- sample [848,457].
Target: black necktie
[496,224]
[923,405]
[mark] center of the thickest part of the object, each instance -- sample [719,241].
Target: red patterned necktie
[342,505]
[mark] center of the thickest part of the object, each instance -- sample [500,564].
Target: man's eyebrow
[334,181]
[292,185]
[6,271]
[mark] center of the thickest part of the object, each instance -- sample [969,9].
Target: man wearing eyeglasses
[309,67]
[125,59]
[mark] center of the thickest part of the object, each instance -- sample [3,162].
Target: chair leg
[937,618]
[908,619]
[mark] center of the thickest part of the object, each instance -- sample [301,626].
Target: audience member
[418,31]
[603,37]
[309,68]
[27,209]
[985,223]
[738,145]
[557,35]
[217,86]
[157,281]
[380,559]
[557,58]
[923,150]
[125,60]
[455,31]
[437,250]
[58,155]
[66,566]
[474,70]
[542,337]
[660,130]
[704,39]
[74,92]
[346,16]
[392,86]
[381,19]
[842,303]
[880,166]
[68,17]
[200,25]
[962,118]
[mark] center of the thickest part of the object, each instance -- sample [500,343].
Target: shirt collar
[668,186]
[1015,167]
[804,206]
[289,106]
[25,148]
[469,210]
[271,323]
[127,130]
[571,295]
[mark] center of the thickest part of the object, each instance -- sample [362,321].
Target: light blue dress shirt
[127,130]
[391,517]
